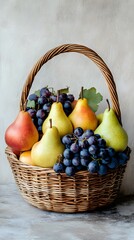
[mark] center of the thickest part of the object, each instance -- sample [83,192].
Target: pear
[22,133]
[111,130]
[45,152]
[100,118]
[83,116]
[60,120]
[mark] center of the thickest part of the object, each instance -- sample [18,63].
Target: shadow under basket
[42,187]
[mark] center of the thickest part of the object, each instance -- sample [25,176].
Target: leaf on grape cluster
[64,90]
[31,104]
[93,98]
[37,93]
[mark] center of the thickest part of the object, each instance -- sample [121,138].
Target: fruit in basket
[100,118]
[39,104]
[22,133]
[111,130]
[85,150]
[25,157]
[45,152]
[59,118]
[83,116]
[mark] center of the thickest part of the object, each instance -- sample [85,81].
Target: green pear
[111,130]
[45,152]
[100,118]
[60,120]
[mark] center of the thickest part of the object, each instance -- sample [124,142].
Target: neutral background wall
[29,28]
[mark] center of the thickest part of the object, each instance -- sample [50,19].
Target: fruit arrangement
[60,132]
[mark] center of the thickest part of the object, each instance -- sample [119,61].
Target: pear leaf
[93,98]
[31,104]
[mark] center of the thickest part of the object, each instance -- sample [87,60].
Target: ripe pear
[60,120]
[111,130]
[22,133]
[45,152]
[83,116]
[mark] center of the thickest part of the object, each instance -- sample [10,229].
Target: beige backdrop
[29,28]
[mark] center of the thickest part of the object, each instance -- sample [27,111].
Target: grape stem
[58,93]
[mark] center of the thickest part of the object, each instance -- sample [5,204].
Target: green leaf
[37,93]
[64,90]
[31,104]
[93,98]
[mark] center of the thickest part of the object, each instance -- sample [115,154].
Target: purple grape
[70,97]
[70,171]
[74,147]
[33,97]
[92,149]
[45,92]
[93,167]
[76,161]
[88,133]
[92,140]
[67,154]
[84,153]
[84,162]
[40,114]
[67,162]
[47,107]
[67,139]
[32,112]
[113,163]
[102,170]
[59,167]
[78,131]
[42,100]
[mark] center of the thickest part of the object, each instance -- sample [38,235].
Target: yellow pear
[83,116]
[111,130]
[60,120]
[45,152]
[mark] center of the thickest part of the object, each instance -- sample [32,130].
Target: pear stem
[58,93]
[50,120]
[81,92]
[108,104]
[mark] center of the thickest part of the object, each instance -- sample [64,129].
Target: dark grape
[40,129]
[67,139]
[93,167]
[102,169]
[92,149]
[97,136]
[70,171]
[74,147]
[101,142]
[78,131]
[84,153]
[84,162]
[105,160]
[111,152]
[32,112]
[40,121]
[53,98]
[83,143]
[59,167]
[87,134]
[42,100]
[76,161]
[92,140]
[67,162]
[67,154]
[70,97]
[40,114]
[47,107]
[113,163]
[33,97]
[45,92]
[67,105]
[122,158]
[103,153]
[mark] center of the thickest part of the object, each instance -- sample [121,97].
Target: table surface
[21,221]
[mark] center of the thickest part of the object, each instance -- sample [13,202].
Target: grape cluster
[85,150]
[42,105]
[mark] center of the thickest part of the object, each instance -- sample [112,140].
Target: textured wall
[29,28]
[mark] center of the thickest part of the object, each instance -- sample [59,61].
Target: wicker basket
[47,190]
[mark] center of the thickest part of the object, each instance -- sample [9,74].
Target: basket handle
[79,49]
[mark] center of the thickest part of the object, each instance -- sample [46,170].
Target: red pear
[22,133]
